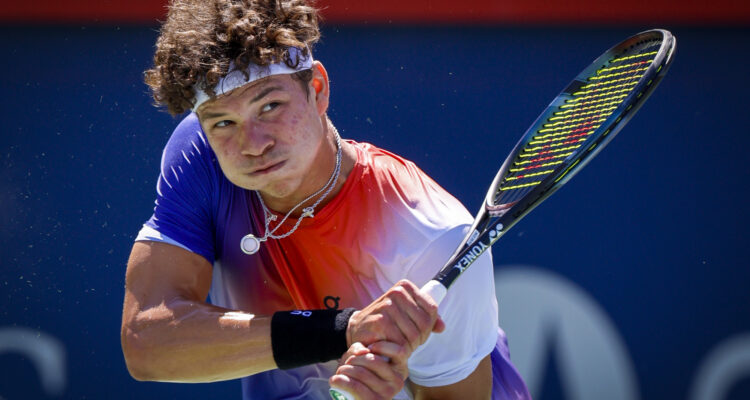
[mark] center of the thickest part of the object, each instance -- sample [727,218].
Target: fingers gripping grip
[434,289]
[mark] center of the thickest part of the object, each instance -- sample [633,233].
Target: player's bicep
[478,385]
[159,273]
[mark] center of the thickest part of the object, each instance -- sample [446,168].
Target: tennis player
[311,248]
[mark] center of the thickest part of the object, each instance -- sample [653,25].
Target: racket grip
[436,290]
[340,394]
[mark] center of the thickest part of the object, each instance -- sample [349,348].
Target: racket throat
[498,210]
[476,245]
[497,213]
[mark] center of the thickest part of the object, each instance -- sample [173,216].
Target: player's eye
[223,123]
[270,106]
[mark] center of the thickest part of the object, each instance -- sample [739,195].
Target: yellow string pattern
[570,125]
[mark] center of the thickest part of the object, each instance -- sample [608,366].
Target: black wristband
[306,337]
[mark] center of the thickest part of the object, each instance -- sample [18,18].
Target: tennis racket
[573,129]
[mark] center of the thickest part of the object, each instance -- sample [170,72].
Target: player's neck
[282,205]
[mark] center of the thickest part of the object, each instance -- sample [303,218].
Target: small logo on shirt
[331,303]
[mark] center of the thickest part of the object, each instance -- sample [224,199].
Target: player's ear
[319,85]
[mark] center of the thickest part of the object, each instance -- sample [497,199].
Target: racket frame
[494,220]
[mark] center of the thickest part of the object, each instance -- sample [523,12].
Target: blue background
[652,229]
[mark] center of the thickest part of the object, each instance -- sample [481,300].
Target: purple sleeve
[186,191]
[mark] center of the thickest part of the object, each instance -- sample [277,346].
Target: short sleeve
[186,191]
[469,311]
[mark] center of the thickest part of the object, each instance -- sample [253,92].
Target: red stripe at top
[416,11]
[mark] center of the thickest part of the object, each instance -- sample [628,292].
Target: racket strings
[583,112]
[555,143]
[597,96]
[617,82]
[574,121]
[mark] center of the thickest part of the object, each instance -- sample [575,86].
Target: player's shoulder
[385,163]
[187,132]
[401,179]
[387,167]
[187,143]
[380,159]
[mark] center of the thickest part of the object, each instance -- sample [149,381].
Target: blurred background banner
[420,11]
[641,293]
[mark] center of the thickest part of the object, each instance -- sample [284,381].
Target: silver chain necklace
[250,244]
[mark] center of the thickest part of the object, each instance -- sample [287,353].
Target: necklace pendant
[307,212]
[250,244]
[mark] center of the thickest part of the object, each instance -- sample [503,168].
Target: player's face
[271,136]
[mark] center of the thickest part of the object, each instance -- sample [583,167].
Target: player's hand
[372,373]
[403,315]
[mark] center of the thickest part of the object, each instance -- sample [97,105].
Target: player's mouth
[267,169]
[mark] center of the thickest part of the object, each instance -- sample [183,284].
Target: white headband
[236,78]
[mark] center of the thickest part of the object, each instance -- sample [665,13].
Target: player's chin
[244,181]
[275,185]
[249,180]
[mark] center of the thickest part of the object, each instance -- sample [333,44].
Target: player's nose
[255,140]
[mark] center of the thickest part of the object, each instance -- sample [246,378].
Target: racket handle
[340,394]
[436,290]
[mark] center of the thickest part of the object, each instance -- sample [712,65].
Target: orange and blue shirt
[389,221]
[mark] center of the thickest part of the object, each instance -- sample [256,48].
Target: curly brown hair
[201,37]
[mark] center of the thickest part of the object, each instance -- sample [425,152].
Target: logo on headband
[236,78]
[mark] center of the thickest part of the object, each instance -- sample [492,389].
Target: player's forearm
[187,341]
